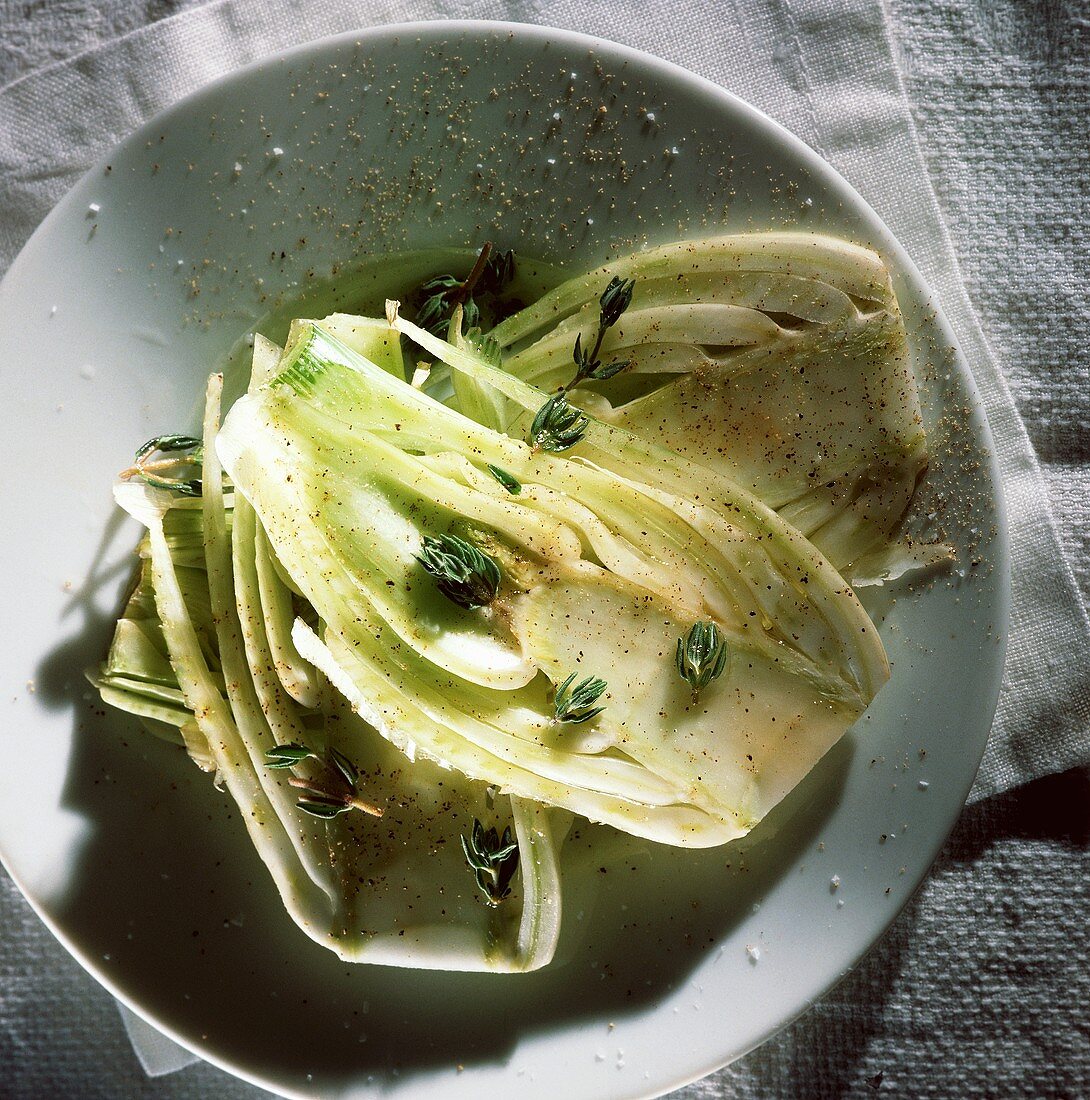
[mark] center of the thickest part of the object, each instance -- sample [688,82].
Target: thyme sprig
[493,860]
[576,703]
[491,272]
[435,311]
[462,573]
[615,299]
[702,656]
[333,791]
[558,425]
[184,451]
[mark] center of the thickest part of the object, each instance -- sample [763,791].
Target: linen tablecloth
[983,107]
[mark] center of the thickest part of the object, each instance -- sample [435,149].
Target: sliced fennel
[350,470]
[468,606]
[778,359]
[345,881]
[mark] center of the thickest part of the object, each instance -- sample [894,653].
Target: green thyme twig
[493,860]
[615,299]
[576,703]
[184,451]
[490,273]
[702,656]
[558,425]
[331,793]
[462,573]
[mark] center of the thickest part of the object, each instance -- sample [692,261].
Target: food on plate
[436,587]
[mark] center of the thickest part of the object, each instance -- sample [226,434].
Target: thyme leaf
[286,756]
[462,573]
[169,443]
[345,766]
[318,806]
[499,271]
[509,482]
[493,860]
[558,425]
[702,656]
[576,703]
[615,299]
[434,313]
[605,371]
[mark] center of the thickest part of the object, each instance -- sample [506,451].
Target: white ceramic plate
[109,321]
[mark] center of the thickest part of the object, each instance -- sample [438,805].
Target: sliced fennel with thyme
[418,601]
[778,359]
[365,847]
[356,477]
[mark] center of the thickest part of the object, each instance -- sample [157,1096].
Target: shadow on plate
[169,902]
